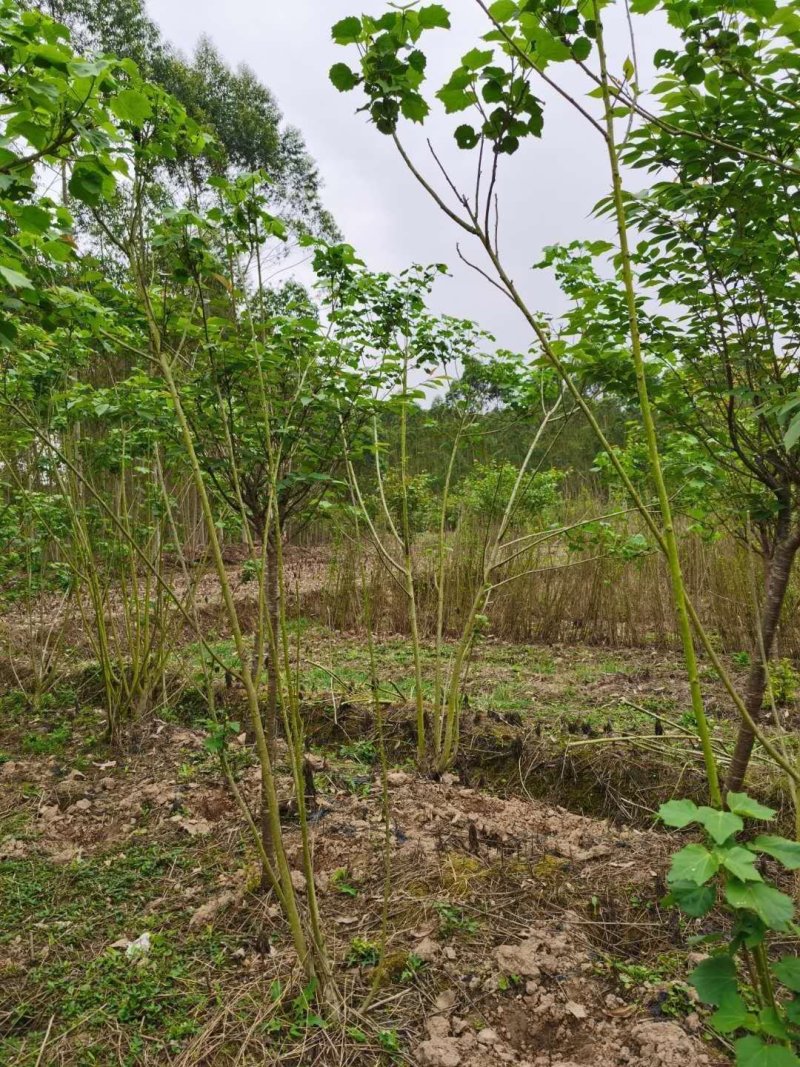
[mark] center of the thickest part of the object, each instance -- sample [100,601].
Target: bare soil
[513,926]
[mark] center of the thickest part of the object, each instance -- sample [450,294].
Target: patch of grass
[632,976]
[505,697]
[363,752]
[47,743]
[204,764]
[84,897]
[69,916]
[15,825]
[543,663]
[16,705]
[389,1041]
[194,655]
[413,965]
[155,993]
[357,785]
[13,704]
[657,983]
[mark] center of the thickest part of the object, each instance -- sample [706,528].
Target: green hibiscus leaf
[347,31]
[774,908]
[342,77]
[715,980]
[720,825]
[765,8]
[15,279]
[131,106]
[455,99]
[694,74]
[434,16]
[477,58]
[742,804]
[548,47]
[731,1015]
[785,851]
[466,137]
[694,863]
[741,863]
[34,219]
[678,813]
[502,10]
[771,1024]
[86,184]
[581,48]
[414,107]
[787,971]
[752,1051]
[694,900]
[59,250]
[417,60]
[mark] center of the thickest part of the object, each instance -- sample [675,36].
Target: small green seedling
[363,953]
[414,964]
[783,682]
[753,997]
[304,1017]
[341,880]
[453,920]
[389,1041]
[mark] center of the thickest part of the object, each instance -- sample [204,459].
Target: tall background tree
[248,126]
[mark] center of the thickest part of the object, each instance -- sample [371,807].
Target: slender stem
[651,437]
[408,563]
[280,875]
[441,576]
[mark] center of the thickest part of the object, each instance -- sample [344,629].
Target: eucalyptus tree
[250,132]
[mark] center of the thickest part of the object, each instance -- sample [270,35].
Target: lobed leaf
[742,804]
[678,813]
[774,908]
[780,848]
[694,863]
[715,980]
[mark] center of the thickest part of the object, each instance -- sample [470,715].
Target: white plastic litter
[139,947]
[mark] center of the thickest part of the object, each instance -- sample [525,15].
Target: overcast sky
[547,189]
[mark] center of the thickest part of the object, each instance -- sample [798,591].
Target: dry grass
[606,601]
